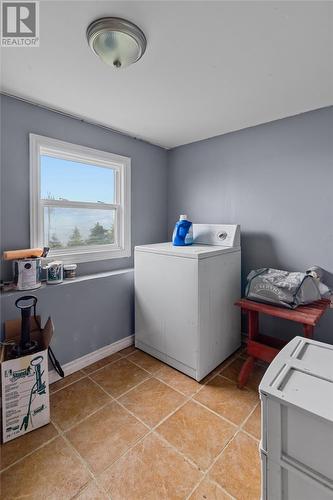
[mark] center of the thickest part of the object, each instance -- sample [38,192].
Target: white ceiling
[210,67]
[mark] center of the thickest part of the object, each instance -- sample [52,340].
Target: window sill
[79,257]
[78,279]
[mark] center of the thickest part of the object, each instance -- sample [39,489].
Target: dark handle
[26,315]
[25,298]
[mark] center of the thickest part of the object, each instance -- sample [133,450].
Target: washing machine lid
[190,252]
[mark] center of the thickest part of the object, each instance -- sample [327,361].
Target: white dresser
[297,423]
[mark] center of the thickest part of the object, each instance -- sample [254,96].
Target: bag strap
[254,275]
[301,283]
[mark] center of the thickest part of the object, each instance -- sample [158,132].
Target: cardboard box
[24,382]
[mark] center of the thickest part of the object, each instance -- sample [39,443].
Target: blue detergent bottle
[183,232]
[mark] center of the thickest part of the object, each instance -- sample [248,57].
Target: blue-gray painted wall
[90,314]
[276,180]
[87,315]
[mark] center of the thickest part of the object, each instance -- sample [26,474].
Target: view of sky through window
[74,181]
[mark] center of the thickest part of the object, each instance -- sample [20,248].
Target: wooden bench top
[307,315]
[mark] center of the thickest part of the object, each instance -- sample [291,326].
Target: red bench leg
[253,324]
[308,331]
[245,372]
[253,332]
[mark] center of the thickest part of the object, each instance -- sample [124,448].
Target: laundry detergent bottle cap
[183,232]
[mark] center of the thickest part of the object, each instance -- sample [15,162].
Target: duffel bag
[282,288]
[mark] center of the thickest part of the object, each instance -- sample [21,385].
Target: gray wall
[69,305]
[86,314]
[276,180]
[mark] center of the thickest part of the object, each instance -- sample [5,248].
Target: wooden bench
[264,347]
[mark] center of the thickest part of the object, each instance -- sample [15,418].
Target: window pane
[74,181]
[73,227]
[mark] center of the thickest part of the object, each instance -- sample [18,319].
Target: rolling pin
[22,254]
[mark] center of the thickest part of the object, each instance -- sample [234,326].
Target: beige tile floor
[129,428]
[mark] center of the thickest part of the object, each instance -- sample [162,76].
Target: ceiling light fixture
[116,42]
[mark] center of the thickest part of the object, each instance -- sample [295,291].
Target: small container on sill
[70,271]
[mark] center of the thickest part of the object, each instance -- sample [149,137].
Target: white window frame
[40,145]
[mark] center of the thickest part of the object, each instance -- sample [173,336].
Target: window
[79,201]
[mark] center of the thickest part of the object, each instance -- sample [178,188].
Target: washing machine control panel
[227,235]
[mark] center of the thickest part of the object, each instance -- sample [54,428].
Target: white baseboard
[92,357]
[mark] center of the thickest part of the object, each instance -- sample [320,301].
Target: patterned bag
[282,288]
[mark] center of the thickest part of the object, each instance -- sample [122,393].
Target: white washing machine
[184,299]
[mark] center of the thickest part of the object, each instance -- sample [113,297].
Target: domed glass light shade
[116,42]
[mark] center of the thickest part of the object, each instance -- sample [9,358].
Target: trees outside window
[76,239]
[100,236]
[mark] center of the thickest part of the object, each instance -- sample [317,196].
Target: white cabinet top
[301,375]
[191,251]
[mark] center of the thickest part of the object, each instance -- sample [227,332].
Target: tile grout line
[139,366]
[154,427]
[211,481]
[250,414]
[225,419]
[239,428]
[237,431]
[30,452]
[84,374]
[80,458]
[79,422]
[249,435]
[222,416]
[214,462]
[70,383]
[174,388]
[210,377]
[233,437]
[123,393]
[116,400]
[229,495]
[69,444]
[104,366]
[178,452]
[98,486]
[235,382]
